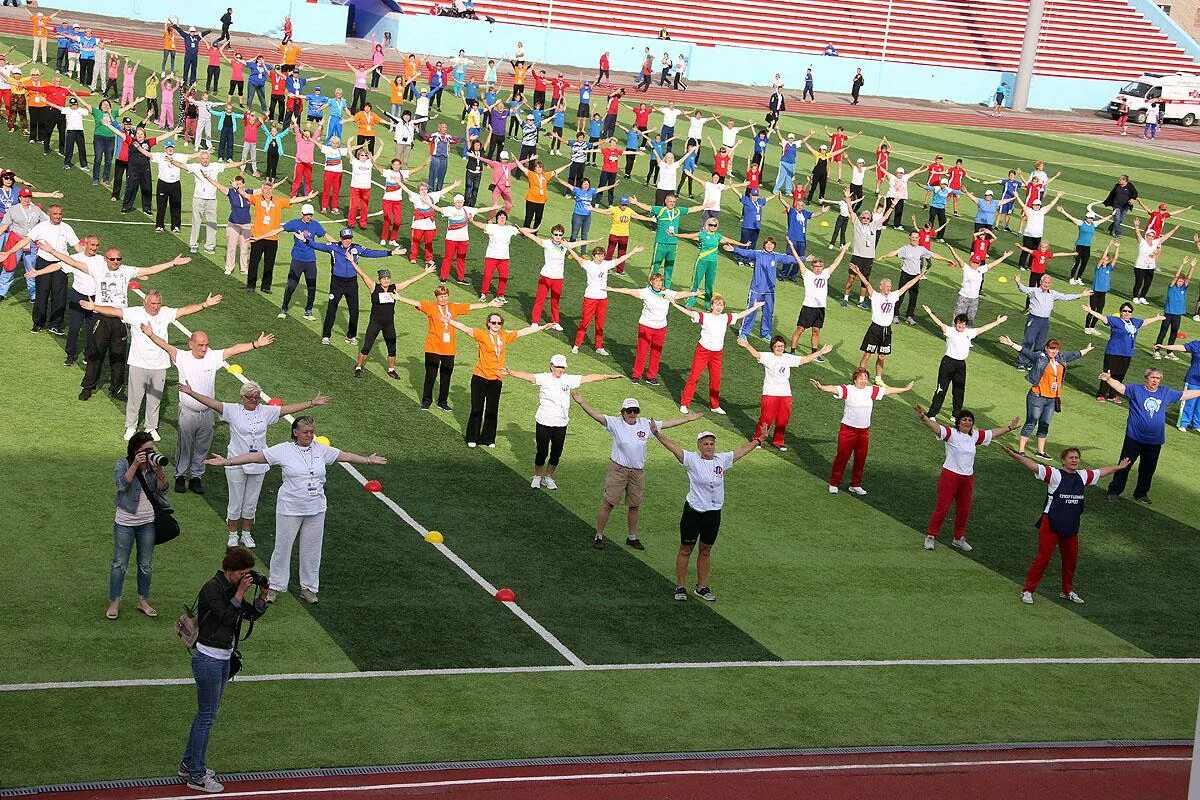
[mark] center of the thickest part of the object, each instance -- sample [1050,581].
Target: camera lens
[157,459]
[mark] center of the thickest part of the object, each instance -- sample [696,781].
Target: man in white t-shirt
[816,277]
[73,116]
[550,420]
[877,340]
[204,201]
[952,372]
[626,476]
[956,484]
[595,293]
[864,237]
[701,520]
[168,192]
[197,367]
[82,289]
[914,258]
[50,301]
[967,301]
[1035,225]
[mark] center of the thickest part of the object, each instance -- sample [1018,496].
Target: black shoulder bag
[166,527]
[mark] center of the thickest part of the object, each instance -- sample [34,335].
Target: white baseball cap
[504,155]
[307,208]
[989,191]
[705,435]
[630,402]
[558,360]
[899,170]
[861,161]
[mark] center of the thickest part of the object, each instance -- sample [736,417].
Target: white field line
[449,554]
[648,667]
[796,769]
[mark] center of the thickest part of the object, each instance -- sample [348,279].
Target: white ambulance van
[1179,92]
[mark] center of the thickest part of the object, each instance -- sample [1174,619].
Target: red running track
[750,98]
[1097,773]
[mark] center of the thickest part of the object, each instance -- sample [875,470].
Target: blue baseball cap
[624,199]
[169,143]
[754,191]
[346,233]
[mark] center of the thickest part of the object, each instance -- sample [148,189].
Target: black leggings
[485,408]
[1117,367]
[652,170]
[339,289]
[533,214]
[1142,278]
[937,218]
[1083,254]
[952,377]
[1096,302]
[375,327]
[550,440]
[839,230]
[1171,322]
[912,294]
[820,179]
[897,212]
[435,364]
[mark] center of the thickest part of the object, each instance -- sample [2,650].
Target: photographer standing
[135,520]
[220,610]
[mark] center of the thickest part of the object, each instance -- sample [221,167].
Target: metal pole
[1194,783]
[887,29]
[1033,27]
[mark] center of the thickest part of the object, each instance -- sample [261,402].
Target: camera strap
[149,494]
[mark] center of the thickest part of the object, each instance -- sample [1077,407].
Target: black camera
[259,579]
[157,459]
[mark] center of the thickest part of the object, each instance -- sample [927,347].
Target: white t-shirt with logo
[360,173]
[333,157]
[203,189]
[629,441]
[777,373]
[883,307]
[499,240]
[958,343]
[597,279]
[248,432]
[554,398]
[972,282]
[302,492]
[144,353]
[555,260]
[654,307]
[859,402]
[960,448]
[112,285]
[712,330]
[167,172]
[198,373]
[393,178]
[816,288]
[706,480]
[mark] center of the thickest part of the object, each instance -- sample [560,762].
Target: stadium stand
[1108,39]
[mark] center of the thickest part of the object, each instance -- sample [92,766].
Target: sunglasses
[113,258]
[494,322]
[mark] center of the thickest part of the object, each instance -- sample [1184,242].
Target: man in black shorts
[701,518]
[867,226]
[877,341]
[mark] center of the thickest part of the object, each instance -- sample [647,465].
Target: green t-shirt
[668,220]
[709,244]
[102,129]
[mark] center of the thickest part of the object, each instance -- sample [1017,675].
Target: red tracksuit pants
[419,238]
[331,189]
[773,411]
[650,343]
[455,251]
[360,201]
[703,359]
[592,310]
[499,266]
[393,215]
[551,287]
[1068,547]
[302,178]
[851,441]
[959,491]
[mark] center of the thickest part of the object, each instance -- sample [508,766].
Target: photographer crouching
[220,611]
[140,472]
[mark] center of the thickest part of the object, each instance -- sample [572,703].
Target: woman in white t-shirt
[956,484]
[495,259]
[550,279]
[595,293]
[1149,247]
[855,433]
[652,325]
[710,350]
[248,420]
[952,372]
[300,505]
[776,406]
[550,420]
[458,237]
[701,519]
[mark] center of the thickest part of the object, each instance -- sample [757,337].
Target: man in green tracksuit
[667,219]
[709,242]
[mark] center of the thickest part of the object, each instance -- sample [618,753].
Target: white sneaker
[154,435]
[129,432]
[351,340]
[536,483]
[324,340]
[858,490]
[879,380]
[929,540]
[383,241]
[232,540]
[247,540]
[600,351]
[575,350]
[555,326]
[493,446]
[962,544]
[1090,331]
[472,445]
[548,482]
[833,490]
[1027,598]
[1196,318]
[719,410]
[483,298]
[281,315]
[1074,598]
[209,784]
[683,409]
[1157,356]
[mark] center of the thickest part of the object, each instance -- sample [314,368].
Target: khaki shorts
[624,481]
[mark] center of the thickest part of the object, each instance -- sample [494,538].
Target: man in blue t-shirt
[767,264]
[305,231]
[1145,432]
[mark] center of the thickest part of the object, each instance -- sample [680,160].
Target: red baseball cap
[25,192]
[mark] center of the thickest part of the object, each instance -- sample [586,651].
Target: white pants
[204,214]
[144,384]
[237,237]
[311,530]
[243,493]
[204,132]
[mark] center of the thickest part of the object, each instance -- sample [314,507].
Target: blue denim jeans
[211,675]
[123,538]
[1189,412]
[1038,412]
[25,261]
[1118,217]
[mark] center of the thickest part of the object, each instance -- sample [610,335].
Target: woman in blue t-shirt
[1176,306]
[1118,353]
[1101,284]
[1083,242]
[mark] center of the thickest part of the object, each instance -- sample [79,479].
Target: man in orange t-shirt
[439,341]
[487,378]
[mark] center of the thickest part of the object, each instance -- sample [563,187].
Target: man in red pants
[1059,525]
[956,485]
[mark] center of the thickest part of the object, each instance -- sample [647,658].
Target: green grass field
[802,575]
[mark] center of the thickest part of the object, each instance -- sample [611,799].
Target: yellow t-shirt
[620,221]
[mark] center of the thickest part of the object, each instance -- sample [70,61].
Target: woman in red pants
[1059,523]
[956,485]
[424,222]
[595,293]
[652,325]
[710,350]
[458,237]
[776,407]
[855,433]
[550,279]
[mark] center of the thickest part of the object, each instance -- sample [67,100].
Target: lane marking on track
[686,773]
[581,667]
